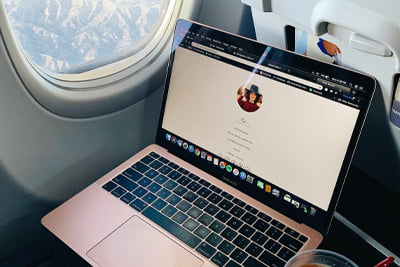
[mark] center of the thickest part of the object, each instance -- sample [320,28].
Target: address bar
[254,65]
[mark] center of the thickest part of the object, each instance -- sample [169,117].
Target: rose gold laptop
[251,153]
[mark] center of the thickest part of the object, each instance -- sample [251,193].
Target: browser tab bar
[248,61]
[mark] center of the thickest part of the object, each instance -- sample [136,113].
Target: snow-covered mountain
[68,35]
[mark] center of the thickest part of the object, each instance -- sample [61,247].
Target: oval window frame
[106,89]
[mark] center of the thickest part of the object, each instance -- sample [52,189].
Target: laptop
[252,150]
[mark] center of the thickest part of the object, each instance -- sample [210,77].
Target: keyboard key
[125,182]
[204,192]
[190,196]
[292,232]
[272,246]
[239,255]
[118,192]
[232,264]
[261,225]
[169,211]
[190,224]
[132,174]
[138,205]
[183,171]
[241,241]
[215,189]
[229,233]
[140,167]
[205,219]
[235,223]
[259,238]
[194,186]
[206,250]
[303,238]
[202,231]
[149,198]
[127,198]
[194,212]
[217,226]
[286,253]
[180,190]
[239,202]
[173,165]
[227,195]
[200,203]
[264,216]
[237,211]
[214,239]
[211,209]
[254,250]
[144,181]
[249,218]
[251,262]
[219,259]
[179,217]
[247,230]
[290,242]
[110,186]
[274,233]
[139,192]
[159,204]
[184,205]
[193,176]
[278,224]
[204,183]
[271,260]
[214,198]
[163,160]
[163,193]
[223,216]
[251,209]
[161,179]
[156,164]
[184,180]
[151,173]
[170,184]
[226,247]
[164,170]
[225,205]
[174,175]
[147,159]
[154,187]
[173,199]
[173,228]
[154,155]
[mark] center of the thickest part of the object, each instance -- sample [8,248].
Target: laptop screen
[278,126]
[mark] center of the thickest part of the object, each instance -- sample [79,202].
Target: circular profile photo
[249,99]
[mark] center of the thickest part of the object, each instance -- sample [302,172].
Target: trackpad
[136,243]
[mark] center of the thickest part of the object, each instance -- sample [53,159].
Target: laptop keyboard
[219,226]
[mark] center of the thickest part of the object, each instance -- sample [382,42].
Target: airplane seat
[367,35]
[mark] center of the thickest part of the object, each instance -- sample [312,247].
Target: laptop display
[290,146]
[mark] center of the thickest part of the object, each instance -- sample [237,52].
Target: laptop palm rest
[137,242]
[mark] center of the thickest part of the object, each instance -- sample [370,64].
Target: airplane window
[77,36]
[81,58]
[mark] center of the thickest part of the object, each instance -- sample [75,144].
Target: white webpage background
[295,140]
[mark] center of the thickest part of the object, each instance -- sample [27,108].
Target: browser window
[233,137]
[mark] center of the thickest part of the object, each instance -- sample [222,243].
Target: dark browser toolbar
[260,60]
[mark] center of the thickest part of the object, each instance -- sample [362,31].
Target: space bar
[172,227]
